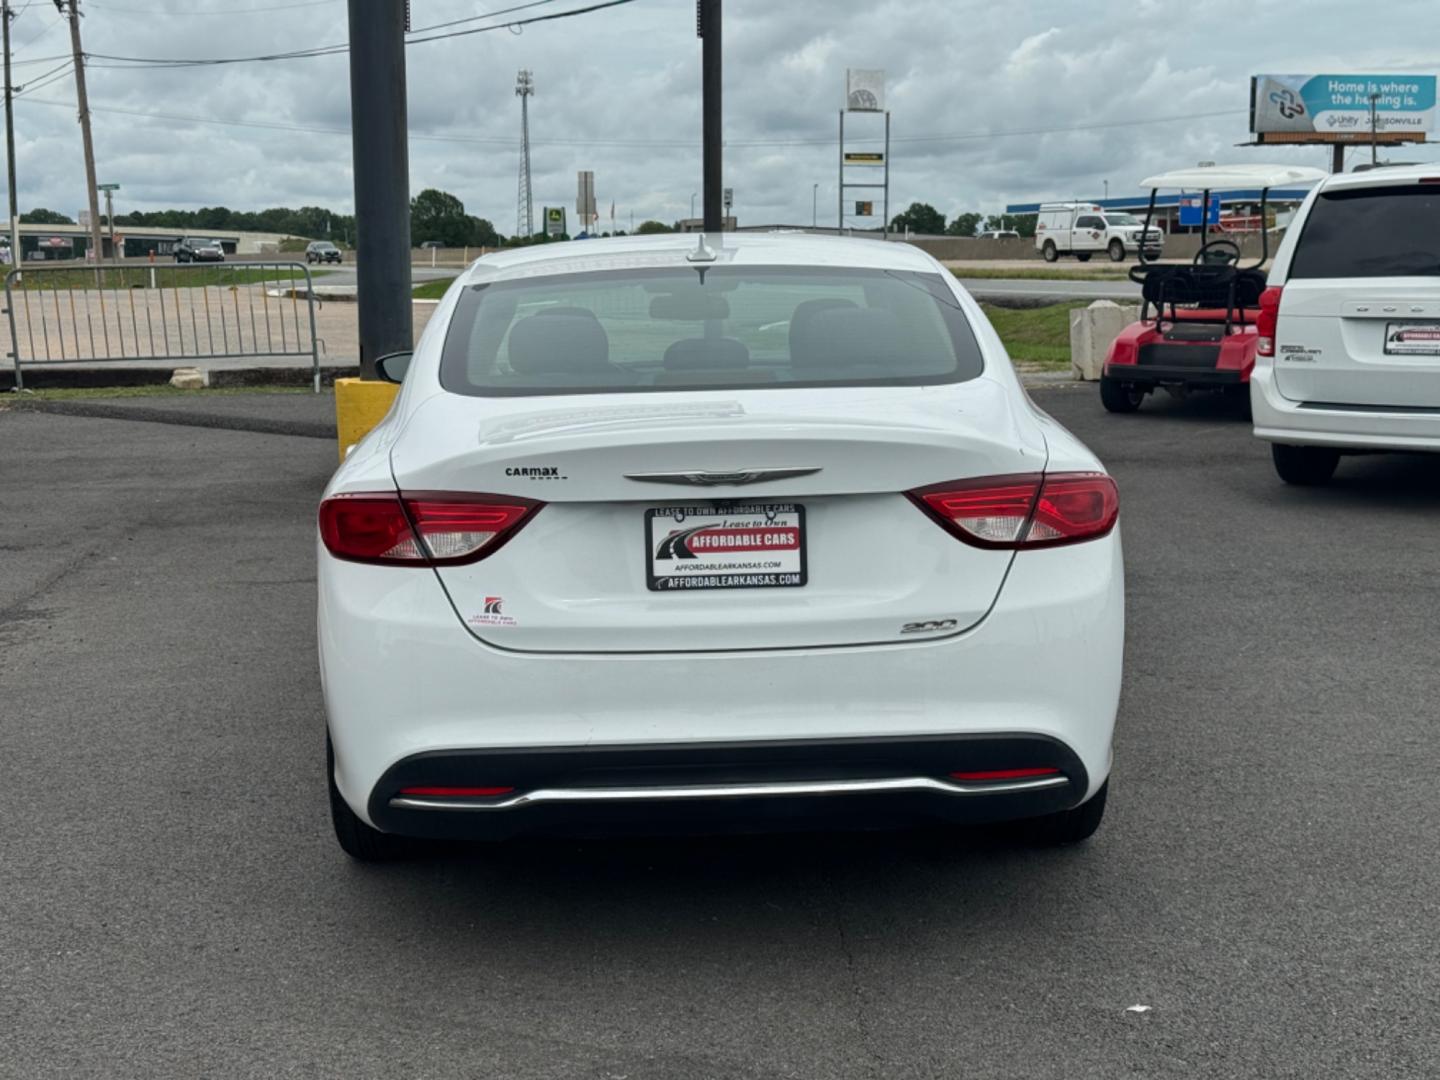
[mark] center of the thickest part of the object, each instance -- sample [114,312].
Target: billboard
[1337,108]
[864,90]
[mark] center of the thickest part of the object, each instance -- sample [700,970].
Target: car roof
[1250,174]
[733,249]
[1387,176]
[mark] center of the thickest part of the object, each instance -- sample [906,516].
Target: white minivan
[1082,229]
[1349,328]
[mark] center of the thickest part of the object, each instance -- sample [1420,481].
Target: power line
[107,6]
[48,27]
[143,63]
[477,18]
[44,79]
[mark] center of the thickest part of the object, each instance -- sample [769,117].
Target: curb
[260,425]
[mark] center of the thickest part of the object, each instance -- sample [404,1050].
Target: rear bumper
[406,686]
[763,784]
[1277,419]
[1156,375]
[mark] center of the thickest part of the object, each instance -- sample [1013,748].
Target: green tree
[438,215]
[482,233]
[650,228]
[964,225]
[41,216]
[920,218]
[1024,224]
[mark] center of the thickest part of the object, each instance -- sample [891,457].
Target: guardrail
[103,314]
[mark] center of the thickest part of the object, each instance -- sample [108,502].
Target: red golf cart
[1197,322]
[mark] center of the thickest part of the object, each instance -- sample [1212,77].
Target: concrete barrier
[1092,329]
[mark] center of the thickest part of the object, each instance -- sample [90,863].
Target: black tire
[1050,251]
[1117,251]
[1304,466]
[1118,396]
[1068,826]
[357,839]
[1082,256]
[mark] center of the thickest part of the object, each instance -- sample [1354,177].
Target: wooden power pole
[83,102]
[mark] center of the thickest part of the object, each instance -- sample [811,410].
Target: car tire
[1050,251]
[1118,396]
[1304,466]
[1083,256]
[1068,826]
[1117,251]
[357,839]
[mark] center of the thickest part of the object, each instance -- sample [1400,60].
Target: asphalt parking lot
[172,902]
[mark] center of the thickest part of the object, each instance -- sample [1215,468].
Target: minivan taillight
[1267,320]
[1031,510]
[420,528]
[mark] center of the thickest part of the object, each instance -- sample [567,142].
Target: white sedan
[662,534]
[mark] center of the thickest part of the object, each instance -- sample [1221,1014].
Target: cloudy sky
[992,102]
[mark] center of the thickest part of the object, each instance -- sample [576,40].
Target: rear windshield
[675,328]
[1371,232]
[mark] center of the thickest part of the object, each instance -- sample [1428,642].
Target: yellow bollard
[359,405]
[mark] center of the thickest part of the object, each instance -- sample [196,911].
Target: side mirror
[393,366]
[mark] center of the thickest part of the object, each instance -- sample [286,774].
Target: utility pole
[83,101]
[707,14]
[1374,140]
[382,180]
[6,16]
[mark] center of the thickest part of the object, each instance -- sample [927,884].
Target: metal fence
[192,312]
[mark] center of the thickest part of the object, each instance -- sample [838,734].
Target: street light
[814,205]
[1107,189]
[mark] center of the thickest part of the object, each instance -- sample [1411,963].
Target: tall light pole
[1107,189]
[692,205]
[814,206]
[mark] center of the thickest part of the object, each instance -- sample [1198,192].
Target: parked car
[999,234]
[1349,356]
[322,251]
[1082,229]
[656,537]
[431,244]
[196,249]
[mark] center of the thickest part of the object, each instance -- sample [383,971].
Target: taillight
[420,529]
[1266,321]
[1027,511]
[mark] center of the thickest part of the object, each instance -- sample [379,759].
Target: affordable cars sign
[1330,107]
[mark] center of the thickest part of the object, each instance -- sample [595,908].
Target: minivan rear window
[1371,232]
[707,328]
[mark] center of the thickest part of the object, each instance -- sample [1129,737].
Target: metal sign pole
[886,224]
[840,187]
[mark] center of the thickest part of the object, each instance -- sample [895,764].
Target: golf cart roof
[1214,177]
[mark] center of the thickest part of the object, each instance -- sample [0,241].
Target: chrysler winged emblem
[712,478]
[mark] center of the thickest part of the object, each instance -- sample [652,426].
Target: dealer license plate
[725,546]
[1412,339]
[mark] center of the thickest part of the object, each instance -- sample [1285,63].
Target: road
[172,903]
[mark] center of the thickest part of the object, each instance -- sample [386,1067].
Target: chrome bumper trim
[899,785]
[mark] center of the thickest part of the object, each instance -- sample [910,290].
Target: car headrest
[849,337]
[692,354]
[805,313]
[559,340]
